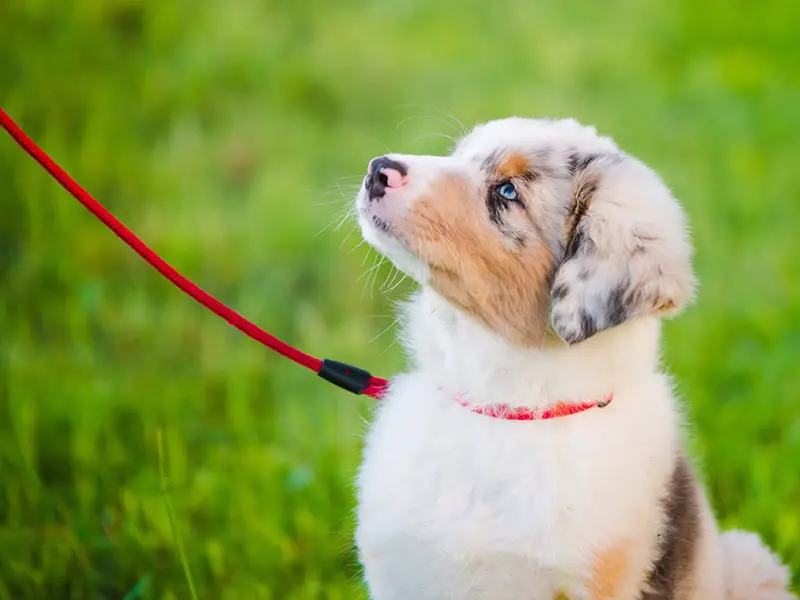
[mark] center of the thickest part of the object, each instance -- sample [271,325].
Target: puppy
[534,450]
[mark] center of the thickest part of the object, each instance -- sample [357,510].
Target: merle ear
[627,251]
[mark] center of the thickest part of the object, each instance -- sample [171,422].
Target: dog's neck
[462,356]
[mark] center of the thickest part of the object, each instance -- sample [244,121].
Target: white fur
[753,571]
[457,505]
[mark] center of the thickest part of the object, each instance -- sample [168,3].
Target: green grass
[220,132]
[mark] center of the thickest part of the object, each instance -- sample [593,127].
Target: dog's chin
[380,235]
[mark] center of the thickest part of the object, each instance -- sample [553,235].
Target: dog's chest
[453,504]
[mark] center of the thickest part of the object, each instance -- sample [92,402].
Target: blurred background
[148,450]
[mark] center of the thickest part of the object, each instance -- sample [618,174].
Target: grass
[227,135]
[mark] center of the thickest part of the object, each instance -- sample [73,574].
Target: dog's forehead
[514,131]
[526,135]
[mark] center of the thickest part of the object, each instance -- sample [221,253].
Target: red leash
[345,376]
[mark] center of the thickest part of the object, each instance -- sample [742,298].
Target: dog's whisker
[373,274]
[347,237]
[338,220]
[366,255]
[380,143]
[346,217]
[334,188]
[396,285]
[327,203]
[358,245]
[324,229]
[454,122]
[374,278]
[376,262]
[394,272]
[343,177]
[341,189]
[425,136]
[384,331]
[418,117]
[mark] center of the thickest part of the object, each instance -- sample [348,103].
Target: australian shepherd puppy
[534,450]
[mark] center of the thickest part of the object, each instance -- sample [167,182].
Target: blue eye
[507,191]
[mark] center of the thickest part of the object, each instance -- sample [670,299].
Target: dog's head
[533,225]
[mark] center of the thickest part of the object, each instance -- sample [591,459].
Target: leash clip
[345,376]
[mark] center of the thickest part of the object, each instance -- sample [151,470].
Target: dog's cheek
[500,280]
[445,226]
[506,290]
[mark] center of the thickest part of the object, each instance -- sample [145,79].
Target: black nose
[379,176]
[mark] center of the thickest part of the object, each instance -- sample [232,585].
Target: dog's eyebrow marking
[505,164]
[513,165]
[678,536]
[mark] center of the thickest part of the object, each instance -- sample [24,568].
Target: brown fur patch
[665,305]
[582,196]
[474,267]
[678,538]
[513,165]
[610,569]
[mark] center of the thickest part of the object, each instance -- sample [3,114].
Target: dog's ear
[627,251]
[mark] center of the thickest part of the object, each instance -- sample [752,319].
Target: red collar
[523,413]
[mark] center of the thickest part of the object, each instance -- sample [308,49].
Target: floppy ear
[627,252]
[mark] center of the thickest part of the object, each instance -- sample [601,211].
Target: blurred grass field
[228,135]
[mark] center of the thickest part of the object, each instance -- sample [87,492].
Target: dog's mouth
[386,238]
[377,220]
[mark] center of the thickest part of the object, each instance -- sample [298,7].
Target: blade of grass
[171,514]
[136,592]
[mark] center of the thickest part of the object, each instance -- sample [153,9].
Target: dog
[534,450]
